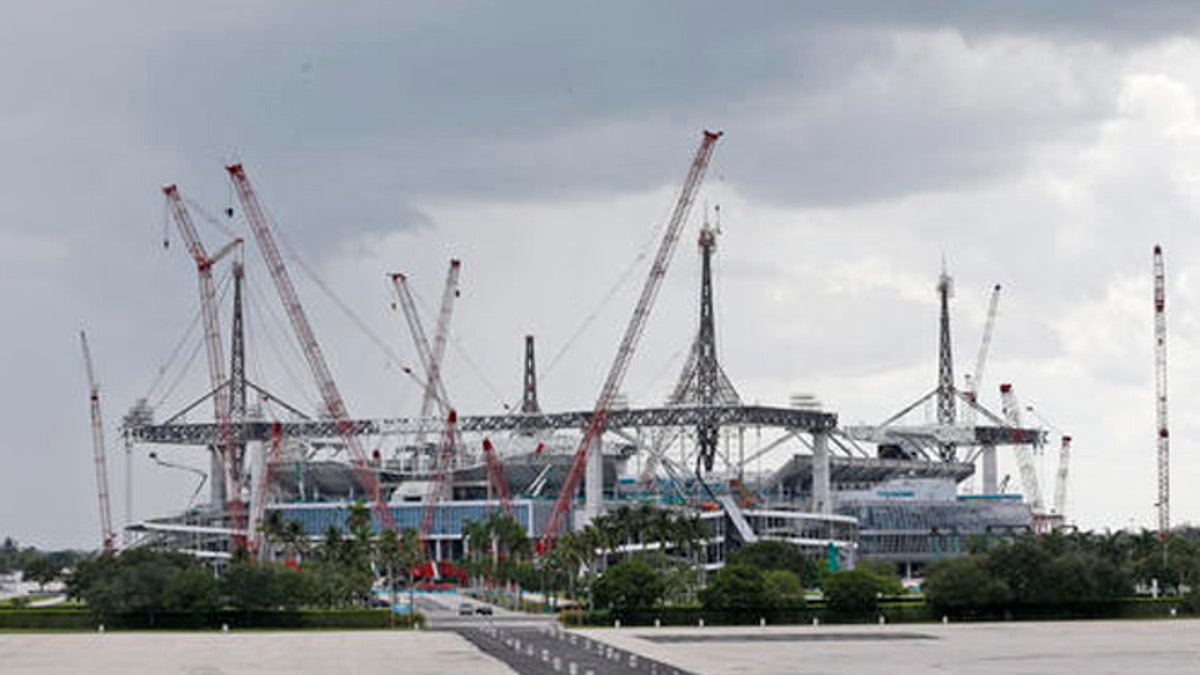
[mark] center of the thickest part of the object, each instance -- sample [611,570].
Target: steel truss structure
[797,420]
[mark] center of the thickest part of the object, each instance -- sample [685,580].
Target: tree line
[1065,572]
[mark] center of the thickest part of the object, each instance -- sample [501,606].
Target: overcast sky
[1043,146]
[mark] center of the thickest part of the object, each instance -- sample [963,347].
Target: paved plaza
[1076,648]
[244,653]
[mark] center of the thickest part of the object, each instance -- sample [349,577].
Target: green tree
[143,581]
[852,593]
[885,575]
[736,587]
[192,590]
[964,585]
[783,589]
[42,569]
[778,555]
[252,586]
[629,585]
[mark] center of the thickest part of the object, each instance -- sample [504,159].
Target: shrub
[735,587]
[783,589]
[630,585]
[852,593]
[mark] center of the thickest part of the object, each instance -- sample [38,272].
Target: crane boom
[1160,371]
[496,476]
[258,504]
[985,344]
[334,404]
[440,477]
[420,341]
[107,538]
[212,340]
[441,333]
[633,333]
[1029,480]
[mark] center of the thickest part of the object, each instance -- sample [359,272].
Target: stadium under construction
[894,491]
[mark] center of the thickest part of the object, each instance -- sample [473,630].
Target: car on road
[484,610]
[466,609]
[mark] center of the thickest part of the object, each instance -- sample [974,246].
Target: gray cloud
[1000,135]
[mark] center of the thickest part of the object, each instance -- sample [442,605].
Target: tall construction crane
[258,504]
[1029,480]
[976,379]
[633,333]
[425,354]
[441,475]
[212,340]
[107,537]
[334,404]
[440,333]
[1160,380]
[496,476]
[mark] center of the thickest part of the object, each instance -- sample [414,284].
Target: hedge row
[909,611]
[79,619]
[46,619]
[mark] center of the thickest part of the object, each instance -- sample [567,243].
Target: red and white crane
[435,389]
[258,504]
[212,340]
[496,476]
[107,537]
[1029,479]
[437,487]
[633,333]
[441,333]
[1160,381]
[334,404]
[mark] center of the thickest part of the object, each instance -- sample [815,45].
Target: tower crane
[334,404]
[212,340]
[107,538]
[633,333]
[496,476]
[1160,380]
[1029,480]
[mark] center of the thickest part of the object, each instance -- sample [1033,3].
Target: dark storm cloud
[359,118]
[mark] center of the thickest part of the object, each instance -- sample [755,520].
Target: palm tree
[295,541]
[509,535]
[478,537]
[272,528]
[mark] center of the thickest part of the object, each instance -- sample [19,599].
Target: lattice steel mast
[633,333]
[529,398]
[237,370]
[1160,370]
[945,389]
[708,373]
